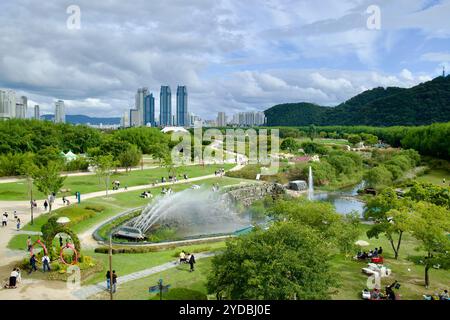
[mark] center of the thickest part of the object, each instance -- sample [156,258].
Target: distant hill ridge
[426,103]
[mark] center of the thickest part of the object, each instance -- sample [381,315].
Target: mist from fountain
[310,184]
[193,212]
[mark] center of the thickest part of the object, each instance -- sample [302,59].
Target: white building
[37,112]
[7,104]
[125,121]
[221,119]
[139,104]
[252,118]
[21,107]
[135,118]
[60,112]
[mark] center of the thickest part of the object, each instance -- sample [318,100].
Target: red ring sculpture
[41,244]
[68,246]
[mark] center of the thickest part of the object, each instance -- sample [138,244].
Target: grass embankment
[91,183]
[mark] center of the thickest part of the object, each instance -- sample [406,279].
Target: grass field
[129,263]
[113,205]
[91,183]
[178,277]
[324,141]
[435,176]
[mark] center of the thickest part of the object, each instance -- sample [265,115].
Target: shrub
[313,148]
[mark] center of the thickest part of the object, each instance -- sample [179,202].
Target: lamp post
[111,279]
[30,183]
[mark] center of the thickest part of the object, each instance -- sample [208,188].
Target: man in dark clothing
[33,264]
[191,262]
[380,251]
[114,281]
[108,280]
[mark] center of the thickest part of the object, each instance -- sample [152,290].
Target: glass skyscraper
[165,107]
[149,110]
[182,107]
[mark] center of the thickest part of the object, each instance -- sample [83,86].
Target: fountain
[310,184]
[190,213]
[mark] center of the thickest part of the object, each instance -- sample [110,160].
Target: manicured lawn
[435,176]
[178,277]
[324,141]
[129,263]
[409,275]
[91,183]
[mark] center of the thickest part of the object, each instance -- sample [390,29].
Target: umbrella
[362,243]
[63,220]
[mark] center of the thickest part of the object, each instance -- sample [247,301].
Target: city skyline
[233,56]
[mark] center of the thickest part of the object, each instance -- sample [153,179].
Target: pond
[345,200]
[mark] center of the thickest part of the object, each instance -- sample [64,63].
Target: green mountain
[423,104]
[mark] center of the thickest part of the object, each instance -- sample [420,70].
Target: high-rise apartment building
[165,107]
[149,110]
[139,103]
[135,119]
[182,107]
[7,104]
[21,107]
[37,112]
[60,112]
[221,119]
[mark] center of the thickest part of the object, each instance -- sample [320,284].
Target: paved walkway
[88,291]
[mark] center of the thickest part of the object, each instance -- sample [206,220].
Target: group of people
[187,258]
[116,185]
[65,201]
[363,255]
[377,294]
[14,278]
[444,296]
[146,194]
[219,172]
[112,286]
[5,217]
[165,191]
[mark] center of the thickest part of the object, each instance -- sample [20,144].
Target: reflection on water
[344,201]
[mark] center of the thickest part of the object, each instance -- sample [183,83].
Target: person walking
[182,257]
[33,264]
[108,280]
[191,262]
[29,244]
[18,224]
[45,205]
[46,263]
[4,221]
[114,281]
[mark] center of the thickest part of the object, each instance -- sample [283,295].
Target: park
[350,211]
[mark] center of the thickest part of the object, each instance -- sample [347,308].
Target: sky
[232,55]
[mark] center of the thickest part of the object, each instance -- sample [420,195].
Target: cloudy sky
[233,55]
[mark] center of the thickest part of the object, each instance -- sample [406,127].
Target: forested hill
[423,104]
